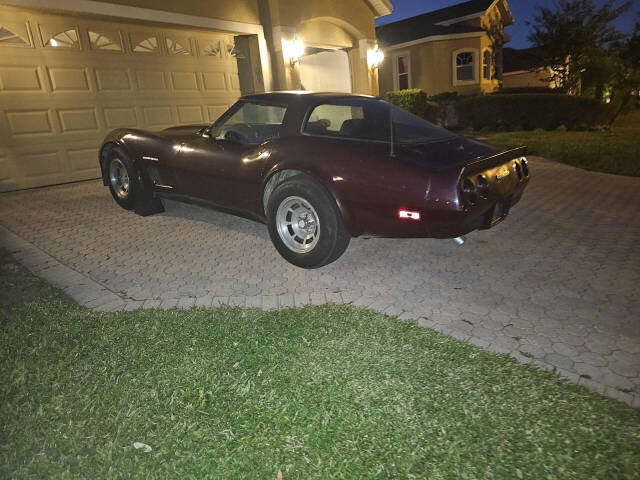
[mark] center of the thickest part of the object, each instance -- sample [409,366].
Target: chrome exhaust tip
[460,240]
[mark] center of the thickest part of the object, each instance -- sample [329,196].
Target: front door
[225,167]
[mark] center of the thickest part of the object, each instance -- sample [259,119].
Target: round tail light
[518,168]
[469,191]
[525,167]
[482,186]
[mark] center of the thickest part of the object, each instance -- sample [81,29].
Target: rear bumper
[481,217]
[438,219]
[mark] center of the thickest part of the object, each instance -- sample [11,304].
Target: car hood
[452,152]
[180,130]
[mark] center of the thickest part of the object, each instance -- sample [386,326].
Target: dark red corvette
[318,169]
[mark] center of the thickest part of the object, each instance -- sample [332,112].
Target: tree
[626,81]
[573,34]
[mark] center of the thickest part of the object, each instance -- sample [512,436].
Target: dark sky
[523,10]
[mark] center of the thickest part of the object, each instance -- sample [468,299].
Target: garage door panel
[112,79]
[78,120]
[42,164]
[68,79]
[83,160]
[190,114]
[20,79]
[30,122]
[215,111]
[214,81]
[150,80]
[184,81]
[158,116]
[119,117]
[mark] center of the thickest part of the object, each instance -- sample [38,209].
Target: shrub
[540,90]
[530,111]
[444,97]
[415,101]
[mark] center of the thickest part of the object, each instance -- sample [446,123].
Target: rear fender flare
[277,174]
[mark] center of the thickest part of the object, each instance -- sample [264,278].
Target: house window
[486,65]
[402,72]
[465,67]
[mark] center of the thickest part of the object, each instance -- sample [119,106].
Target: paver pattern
[557,283]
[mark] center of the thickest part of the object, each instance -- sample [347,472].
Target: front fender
[124,139]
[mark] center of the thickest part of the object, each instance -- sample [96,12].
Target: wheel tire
[299,207]
[125,187]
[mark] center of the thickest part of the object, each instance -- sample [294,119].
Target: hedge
[416,101]
[532,111]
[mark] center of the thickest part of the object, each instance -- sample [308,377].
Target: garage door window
[105,41]
[144,44]
[66,39]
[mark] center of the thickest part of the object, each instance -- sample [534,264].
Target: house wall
[432,66]
[232,10]
[527,79]
[347,24]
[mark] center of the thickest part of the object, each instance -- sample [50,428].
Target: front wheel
[305,224]
[125,187]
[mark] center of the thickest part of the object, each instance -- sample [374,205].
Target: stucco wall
[432,64]
[527,79]
[233,10]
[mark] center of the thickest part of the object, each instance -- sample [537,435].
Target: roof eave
[381,7]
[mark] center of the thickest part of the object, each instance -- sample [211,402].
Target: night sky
[523,10]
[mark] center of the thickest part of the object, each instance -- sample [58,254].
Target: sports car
[318,169]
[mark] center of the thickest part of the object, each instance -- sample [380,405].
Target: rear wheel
[305,224]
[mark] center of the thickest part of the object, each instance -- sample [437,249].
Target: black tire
[133,196]
[332,238]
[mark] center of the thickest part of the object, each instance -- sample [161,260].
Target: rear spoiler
[484,163]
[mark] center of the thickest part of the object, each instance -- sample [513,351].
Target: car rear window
[369,119]
[357,118]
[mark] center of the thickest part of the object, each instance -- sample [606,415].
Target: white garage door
[66,81]
[326,71]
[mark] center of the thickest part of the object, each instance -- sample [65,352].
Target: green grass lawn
[617,151]
[319,392]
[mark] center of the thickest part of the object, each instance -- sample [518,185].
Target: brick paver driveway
[556,284]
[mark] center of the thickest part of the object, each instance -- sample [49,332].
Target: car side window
[250,123]
[363,119]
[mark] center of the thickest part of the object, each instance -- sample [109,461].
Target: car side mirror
[206,132]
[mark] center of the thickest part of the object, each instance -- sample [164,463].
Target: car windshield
[250,122]
[369,119]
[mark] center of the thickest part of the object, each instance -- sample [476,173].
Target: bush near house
[532,111]
[514,90]
[416,101]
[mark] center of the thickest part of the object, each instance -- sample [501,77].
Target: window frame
[396,73]
[475,68]
[233,109]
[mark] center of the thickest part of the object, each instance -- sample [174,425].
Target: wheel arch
[277,175]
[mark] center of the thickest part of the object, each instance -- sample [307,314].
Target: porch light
[292,50]
[374,57]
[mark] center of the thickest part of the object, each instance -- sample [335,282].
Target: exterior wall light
[292,50]
[374,57]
